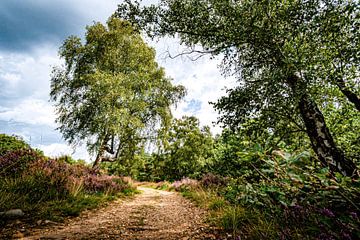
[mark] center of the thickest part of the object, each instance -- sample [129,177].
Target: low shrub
[163,185]
[14,163]
[232,219]
[289,199]
[104,183]
[217,204]
[185,184]
[212,180]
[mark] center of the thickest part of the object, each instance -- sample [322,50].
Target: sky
[31,32]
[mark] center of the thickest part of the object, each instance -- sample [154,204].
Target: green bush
[11,143]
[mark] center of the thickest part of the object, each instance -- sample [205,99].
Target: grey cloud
[26,23]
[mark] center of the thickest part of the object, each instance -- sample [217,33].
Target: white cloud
[24,75]
[60,149]
[31,111]
[11,78]
[202,79]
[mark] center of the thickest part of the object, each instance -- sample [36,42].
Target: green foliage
[271,210]
[264,42]
[297,63]
[344,122]
[278,195]
[186,150]
[217,204]
[135,167]
[68,159]
[11,143]
[111,92]
[286,55]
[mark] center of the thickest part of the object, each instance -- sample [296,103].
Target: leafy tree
[187,149]
[282,51]
[111,93]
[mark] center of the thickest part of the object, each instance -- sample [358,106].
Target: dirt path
[153,214]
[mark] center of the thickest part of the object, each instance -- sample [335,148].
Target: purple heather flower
[327,212]
[354,215]
[346,236]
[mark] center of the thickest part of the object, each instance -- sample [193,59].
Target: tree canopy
[111,93]
[283,52]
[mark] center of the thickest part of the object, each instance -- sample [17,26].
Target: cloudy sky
[31,32]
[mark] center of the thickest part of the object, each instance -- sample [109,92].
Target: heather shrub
[185,184]
[51,188]
[9,194]
[56,173]
[41,180]
[104,183]
[75,178]
[40,187]
[75,185]
[14,163]
[212,180]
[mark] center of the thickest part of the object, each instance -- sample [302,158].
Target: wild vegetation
[286,164]
[50,189]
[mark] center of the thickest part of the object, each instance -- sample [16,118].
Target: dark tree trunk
[101,151]
[321,140]
[351,96]
[97,160]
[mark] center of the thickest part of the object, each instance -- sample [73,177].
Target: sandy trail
[153,214]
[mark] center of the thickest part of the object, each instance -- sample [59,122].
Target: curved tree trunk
[97,160]
[321,140]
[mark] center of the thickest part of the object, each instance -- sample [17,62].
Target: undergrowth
[283,202]
[51,189]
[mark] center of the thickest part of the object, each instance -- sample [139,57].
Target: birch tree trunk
[321,139]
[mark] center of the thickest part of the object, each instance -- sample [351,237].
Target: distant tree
[284,53]
[111,93]
[186,150]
